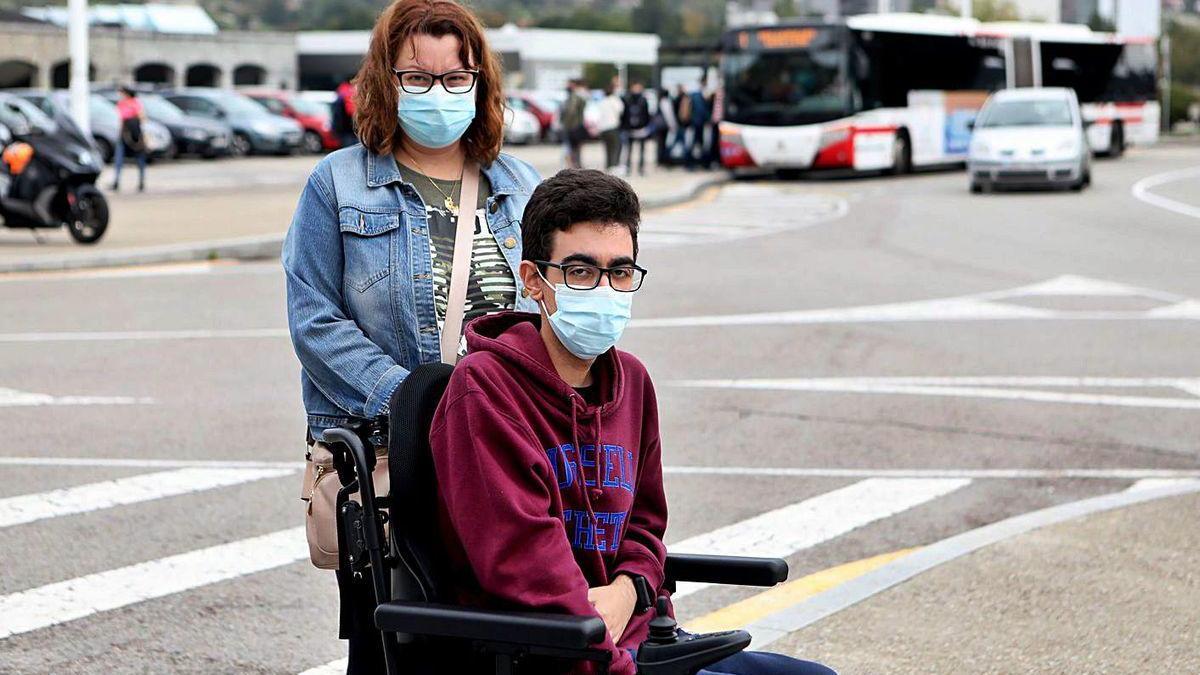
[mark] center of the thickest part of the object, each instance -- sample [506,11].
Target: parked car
[1029,137]
[191,134]
[313,116]
[105,122]
[520,126]
[543,111]
[255,129]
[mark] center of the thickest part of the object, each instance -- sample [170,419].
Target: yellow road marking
[746,612]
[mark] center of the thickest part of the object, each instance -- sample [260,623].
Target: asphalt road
[845,368]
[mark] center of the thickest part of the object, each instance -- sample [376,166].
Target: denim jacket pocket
[366,246]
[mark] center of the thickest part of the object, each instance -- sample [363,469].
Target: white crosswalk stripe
[784,531]
[332,668]
[122,491]
[72,599]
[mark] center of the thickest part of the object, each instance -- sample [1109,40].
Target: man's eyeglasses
[420,81]
[585,277]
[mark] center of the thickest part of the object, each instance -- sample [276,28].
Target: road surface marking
[974,474]
[971,387]
[29,508]
[784,531]
[72,599]
[123,463]
[988,306]
[1156,483]
[332,668]
[746,612]
[11,398]
[1141,191]
[133,335]
[780,471]
[786,621]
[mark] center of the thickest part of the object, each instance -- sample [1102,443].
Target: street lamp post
[77,36]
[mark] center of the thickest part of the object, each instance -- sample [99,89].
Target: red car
[313,116]
[522,100]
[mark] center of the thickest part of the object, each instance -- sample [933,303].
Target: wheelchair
[422,630]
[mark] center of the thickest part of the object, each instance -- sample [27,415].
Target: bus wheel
[901,155]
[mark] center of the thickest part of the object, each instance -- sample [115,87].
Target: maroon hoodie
[543,495]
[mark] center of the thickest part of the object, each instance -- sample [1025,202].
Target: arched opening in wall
[203,75]
[60,74]
[154,73]
[249,74]
[15,73]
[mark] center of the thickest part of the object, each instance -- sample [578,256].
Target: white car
[520,126]
[1030,138]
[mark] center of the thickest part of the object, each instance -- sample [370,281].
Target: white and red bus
[897,91]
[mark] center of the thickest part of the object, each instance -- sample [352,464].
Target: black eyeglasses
[585,277]
[453,81]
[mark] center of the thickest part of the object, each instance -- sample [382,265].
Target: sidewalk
[199,210]
[1115,592]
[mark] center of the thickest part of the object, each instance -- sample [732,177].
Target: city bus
[890,92]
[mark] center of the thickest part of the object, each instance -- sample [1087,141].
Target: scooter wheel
[88,218]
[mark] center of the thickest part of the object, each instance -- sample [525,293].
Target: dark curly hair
[576,196]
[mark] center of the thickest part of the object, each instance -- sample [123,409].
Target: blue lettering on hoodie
[616,466]
[602,534]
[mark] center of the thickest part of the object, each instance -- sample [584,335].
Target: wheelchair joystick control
[667,651]
[663,629]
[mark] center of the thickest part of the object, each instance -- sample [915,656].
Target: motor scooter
[49,181]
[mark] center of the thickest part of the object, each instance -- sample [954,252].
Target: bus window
[1101,72]
[897,63]
[784,77]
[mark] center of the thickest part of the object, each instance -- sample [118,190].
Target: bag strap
[460,271]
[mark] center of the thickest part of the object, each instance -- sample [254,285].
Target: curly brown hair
[376,89]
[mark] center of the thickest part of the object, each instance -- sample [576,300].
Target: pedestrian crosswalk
[739,211]
[845,505]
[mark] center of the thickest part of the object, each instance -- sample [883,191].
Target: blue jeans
[763,663]
[119,159]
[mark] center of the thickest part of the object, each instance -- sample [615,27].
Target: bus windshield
[778,77]
[1025,114]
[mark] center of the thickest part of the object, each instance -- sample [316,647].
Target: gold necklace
[448,200]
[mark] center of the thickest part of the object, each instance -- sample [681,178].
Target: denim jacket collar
[382,170]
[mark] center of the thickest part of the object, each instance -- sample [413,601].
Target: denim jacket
[360,278]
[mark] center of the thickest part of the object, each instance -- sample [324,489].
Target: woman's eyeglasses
[453,81]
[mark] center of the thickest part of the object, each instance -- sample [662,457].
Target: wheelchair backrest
[412,514]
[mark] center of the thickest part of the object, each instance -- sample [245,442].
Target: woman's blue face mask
[436,118]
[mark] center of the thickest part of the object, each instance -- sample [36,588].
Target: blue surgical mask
[436,118]
[589,323]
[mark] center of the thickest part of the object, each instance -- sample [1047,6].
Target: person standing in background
[611,109]
[342,119]
[698,121]
[574,131]
[683,118]
[635,127]
[132,141]
[665,127]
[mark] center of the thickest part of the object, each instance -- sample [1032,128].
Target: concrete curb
[261,247]
[776,626]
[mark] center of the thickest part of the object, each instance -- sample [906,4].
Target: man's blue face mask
[436,118]
[589,323]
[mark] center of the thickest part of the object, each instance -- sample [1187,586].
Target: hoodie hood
[516,338]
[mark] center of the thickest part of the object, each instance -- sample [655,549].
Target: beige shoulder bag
[321,483]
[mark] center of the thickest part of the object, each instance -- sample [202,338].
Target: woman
[608,123]
[368,255]
[132,141]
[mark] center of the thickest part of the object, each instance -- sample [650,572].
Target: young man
[546,442]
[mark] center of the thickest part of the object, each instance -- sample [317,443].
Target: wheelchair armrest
[722,569]
[554,631]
